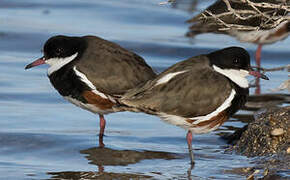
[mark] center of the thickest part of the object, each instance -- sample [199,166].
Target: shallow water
[42,136]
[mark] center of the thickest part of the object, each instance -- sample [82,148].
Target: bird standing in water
[198,94]
[249,21]
[92,73]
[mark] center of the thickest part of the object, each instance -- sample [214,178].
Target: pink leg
[189,143]
[258,86]
[258,55]
[258,63]
[102,130]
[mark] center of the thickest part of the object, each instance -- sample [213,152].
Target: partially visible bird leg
[189,143]
[102,130]
[258,63]
[258,55]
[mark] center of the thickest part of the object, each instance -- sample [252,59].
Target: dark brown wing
[196,92]
[112,69]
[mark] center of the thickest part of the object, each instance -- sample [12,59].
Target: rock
[277,132]
[268,137]
[268,134]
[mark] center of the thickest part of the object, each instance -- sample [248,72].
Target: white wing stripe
[223,107]
[167,77]
[84,78]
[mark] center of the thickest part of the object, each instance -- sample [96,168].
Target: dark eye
[58,51]
[236,61]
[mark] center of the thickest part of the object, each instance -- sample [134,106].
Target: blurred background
[42,136]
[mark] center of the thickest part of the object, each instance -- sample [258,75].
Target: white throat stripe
[57,63]
[237,76]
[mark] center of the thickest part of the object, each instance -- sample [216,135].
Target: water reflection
[256,102]
[109,157]
[95,175]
